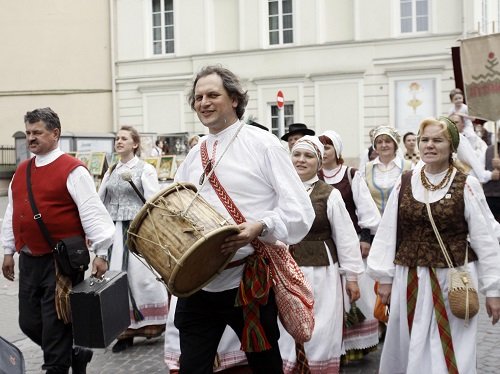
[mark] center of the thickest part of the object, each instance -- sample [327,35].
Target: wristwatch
[265,229]
[102,257]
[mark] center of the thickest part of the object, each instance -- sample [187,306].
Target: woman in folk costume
[330,245]
[360,337]
[410,143]
[381,174]
[148,297]
[423,336]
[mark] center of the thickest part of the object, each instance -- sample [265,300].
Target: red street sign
[280,100]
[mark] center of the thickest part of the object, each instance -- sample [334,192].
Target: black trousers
[494,204]
[201,319]
[37,312]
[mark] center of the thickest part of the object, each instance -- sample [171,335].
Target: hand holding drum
[496,163]
[248,232]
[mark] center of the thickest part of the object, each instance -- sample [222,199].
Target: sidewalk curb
[17,338]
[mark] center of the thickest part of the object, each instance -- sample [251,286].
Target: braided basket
[462,296]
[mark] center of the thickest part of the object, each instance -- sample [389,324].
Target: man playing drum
[255,171]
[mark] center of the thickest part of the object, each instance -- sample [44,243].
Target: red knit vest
[59,211]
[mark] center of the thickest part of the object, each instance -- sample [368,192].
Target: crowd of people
[389,232]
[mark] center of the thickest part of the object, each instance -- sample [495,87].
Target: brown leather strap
[236,263]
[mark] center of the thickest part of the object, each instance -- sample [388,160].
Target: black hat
[297,128]
[253,123]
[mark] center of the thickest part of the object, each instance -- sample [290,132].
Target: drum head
[201,263]
[139,218]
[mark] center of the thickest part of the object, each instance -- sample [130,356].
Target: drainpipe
[112,58]
[464,26]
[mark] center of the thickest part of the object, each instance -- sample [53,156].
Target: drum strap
[256,281]
[236,263]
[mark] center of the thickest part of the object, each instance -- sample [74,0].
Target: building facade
[347,65]
[56,54]
[342,65]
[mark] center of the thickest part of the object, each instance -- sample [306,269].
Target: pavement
[146,356]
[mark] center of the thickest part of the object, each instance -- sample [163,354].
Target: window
[414,15]
[163,26]
[484,17]
[280,22]
[274,117]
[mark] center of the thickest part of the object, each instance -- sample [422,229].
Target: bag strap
[112,168]
[447,257]
[209,168]
[37,216]
[350,174]
[253,336]
[238,217]
[219,189]
[436,232]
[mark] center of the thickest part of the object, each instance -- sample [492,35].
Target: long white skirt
[228,352]
[365,334]
[422,352]
[324,349]
[150,295]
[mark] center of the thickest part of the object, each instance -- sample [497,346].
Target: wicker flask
[462,295]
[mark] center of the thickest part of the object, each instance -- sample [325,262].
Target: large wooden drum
[179,235]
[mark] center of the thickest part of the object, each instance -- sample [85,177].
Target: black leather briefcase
[11,358]
[100,309]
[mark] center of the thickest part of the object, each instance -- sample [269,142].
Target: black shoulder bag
[71,254]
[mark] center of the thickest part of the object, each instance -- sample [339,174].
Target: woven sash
[63,289]
[443,324]
[301,365]
[256,282]
[411,295]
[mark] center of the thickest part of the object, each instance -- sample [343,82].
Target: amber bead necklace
[434,187]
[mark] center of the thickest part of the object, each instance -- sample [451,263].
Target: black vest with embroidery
[344,186]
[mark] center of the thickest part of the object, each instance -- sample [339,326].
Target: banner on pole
[481,73]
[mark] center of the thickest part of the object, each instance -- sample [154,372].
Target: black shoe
[382,329]
[80,359]
[123,344]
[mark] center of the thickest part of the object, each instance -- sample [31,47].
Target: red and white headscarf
[311,143]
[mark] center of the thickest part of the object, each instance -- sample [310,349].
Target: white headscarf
[336,140]
[311,143]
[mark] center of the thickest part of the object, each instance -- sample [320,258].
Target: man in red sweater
[65,195]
